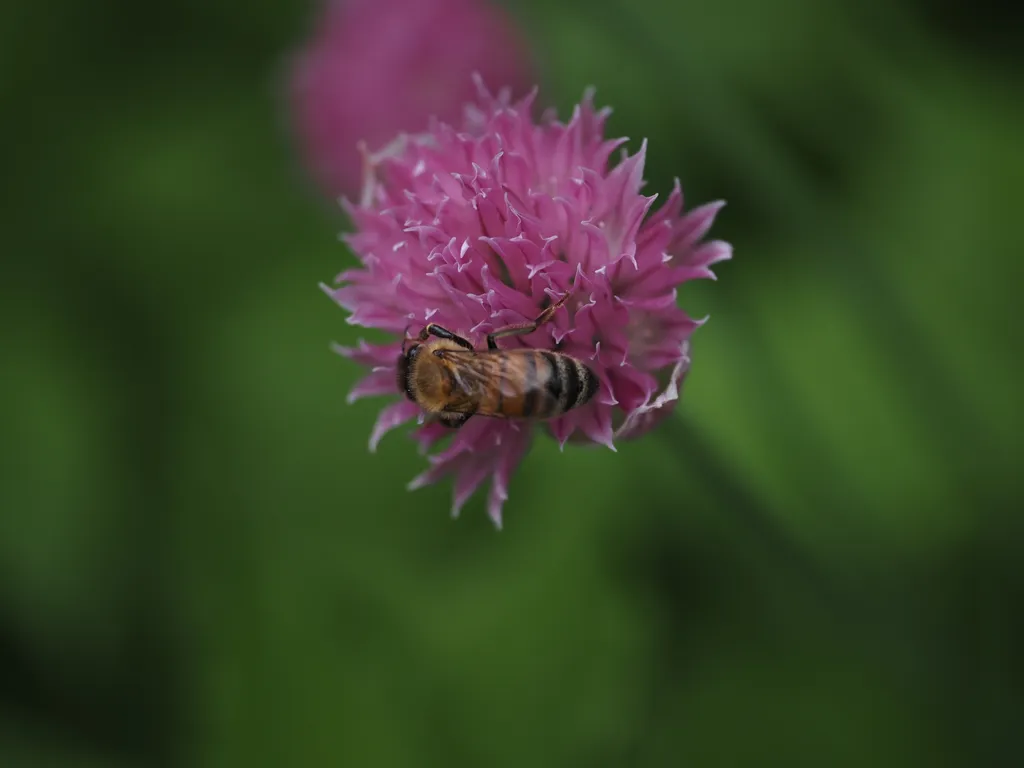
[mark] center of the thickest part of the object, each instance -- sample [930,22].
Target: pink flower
[375,68]
[477,229]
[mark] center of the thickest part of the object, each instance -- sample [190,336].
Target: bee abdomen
[569,385]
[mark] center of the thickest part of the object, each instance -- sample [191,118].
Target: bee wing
[475,374]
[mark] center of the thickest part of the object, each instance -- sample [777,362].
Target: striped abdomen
[534,384]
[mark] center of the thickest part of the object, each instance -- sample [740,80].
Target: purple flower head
[374,68]
[482,227]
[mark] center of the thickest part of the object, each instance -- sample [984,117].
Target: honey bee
[451,381]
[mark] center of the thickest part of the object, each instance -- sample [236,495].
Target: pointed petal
[514,444]
[379,382]
[467,481]
[598,426]
[695,225]
[370,354]
[393,416]
[648,416]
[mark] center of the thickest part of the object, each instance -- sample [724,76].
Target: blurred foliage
[817,563]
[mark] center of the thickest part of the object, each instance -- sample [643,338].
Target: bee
[451,381]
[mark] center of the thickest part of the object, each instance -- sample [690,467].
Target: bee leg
[449,419]
[455,420]
[443,333]
[521,328]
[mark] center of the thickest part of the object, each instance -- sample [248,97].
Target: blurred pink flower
[375,68]
[477,229]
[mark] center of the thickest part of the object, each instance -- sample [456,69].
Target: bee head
[403,367]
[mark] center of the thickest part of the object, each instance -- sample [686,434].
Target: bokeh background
[816,562]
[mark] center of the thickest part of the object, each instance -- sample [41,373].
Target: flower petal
[381,381]
[647,416]
[370,354]
[392,416]
[514,446]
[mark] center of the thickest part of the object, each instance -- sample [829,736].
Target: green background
[817,562]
